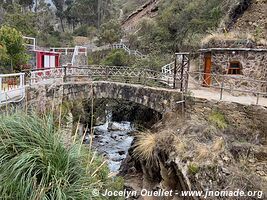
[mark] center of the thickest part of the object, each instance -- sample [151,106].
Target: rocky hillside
[253,20]
[149,9]
[214,146]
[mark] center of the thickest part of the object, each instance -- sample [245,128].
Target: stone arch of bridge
[160,100]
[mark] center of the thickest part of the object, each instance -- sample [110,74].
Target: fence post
[64,74]
[222,86]
[21,82]
[107,72]
[175,72]
[144,77]
[139,76]
[258,98]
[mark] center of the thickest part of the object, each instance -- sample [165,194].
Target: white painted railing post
[22,83]
[21,80]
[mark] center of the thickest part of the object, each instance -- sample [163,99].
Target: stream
[112,140]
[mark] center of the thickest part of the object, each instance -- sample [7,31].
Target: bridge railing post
[22,83]
[107,73]
[64,74]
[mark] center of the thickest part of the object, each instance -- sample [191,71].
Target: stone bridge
[159,99]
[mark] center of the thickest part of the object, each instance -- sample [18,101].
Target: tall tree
[25,22]
[59,4]
[99,5]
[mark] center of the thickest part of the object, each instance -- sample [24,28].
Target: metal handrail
[222,84]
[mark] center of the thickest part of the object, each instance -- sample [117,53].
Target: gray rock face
[112,126]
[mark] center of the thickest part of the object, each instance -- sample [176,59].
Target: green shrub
[35,164]
[193,168]
[110,32]
[218,119]
[117,58]
[86,31]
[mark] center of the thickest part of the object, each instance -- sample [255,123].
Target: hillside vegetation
[180,24]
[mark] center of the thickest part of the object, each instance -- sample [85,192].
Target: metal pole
[21,80]
[182,74]
[222,86]
[187,74]
[21,83]
[175,72]
[65,74]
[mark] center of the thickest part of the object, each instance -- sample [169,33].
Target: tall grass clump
[35,164]
[145,146]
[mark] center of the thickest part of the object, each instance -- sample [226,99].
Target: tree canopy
[110,32]
[11,41]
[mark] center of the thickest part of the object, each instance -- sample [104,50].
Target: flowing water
[113,140]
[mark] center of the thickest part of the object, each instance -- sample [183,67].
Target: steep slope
[149,9]
[253,20]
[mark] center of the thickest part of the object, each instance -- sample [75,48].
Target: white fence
[12,87]
[128,50]
[168,69]
[77,50]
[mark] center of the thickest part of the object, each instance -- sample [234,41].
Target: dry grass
[145,146]
[203,152]
[232,36]
[218,145]
[180,145]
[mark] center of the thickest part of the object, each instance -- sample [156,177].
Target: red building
[46,59]
[41,59]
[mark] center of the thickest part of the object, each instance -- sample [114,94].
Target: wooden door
[207,70]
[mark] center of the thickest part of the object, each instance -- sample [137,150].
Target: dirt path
[214,94]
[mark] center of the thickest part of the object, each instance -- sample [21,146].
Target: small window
[234,68]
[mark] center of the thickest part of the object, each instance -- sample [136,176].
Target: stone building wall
[253,67]
[253,63]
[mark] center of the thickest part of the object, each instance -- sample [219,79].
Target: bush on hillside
[117,58]
[85,31]
[110,32]
[179,25]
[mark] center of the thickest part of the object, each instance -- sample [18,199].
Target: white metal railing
[231,84]
[30,42]
[12,87]
[78,50]
[73,52]
[65,51]
[168,69]
[127,49]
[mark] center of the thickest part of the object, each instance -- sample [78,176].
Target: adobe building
[240,60]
